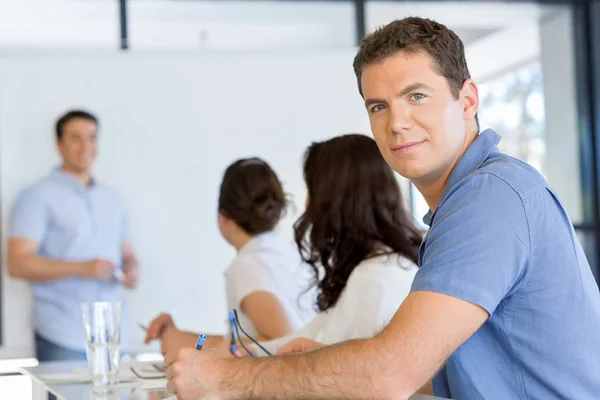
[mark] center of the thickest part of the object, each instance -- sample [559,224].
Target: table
[130,391]
[139,390]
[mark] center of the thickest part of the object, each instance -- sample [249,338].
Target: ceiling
[235,25]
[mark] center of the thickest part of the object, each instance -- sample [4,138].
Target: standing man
[504,305]
[69,236]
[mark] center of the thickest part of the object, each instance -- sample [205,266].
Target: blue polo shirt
[71,223]
[501,239]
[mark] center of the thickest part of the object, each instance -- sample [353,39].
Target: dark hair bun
[252,195]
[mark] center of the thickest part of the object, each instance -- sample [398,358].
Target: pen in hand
[200,341]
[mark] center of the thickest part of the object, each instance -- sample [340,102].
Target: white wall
[169,127]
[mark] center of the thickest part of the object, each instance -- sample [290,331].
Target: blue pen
[232,326]
[200,342]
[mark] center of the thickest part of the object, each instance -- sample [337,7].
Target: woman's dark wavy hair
[354,212]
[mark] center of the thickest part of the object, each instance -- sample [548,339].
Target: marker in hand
[200,341]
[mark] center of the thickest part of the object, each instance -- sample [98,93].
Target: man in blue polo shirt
[69,236]
[504,305]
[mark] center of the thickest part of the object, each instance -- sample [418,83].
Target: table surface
[83,391]
[42,391]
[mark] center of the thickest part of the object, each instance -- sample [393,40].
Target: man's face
[78,144]
[418,125]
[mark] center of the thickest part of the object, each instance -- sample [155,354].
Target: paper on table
[79,375]
[69,377]
[146,371]
[153,384]
[125,369]
[126,376]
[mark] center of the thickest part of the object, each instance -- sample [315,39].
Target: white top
[268,264]
[374,291]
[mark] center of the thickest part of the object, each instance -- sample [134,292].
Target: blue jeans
[48,351]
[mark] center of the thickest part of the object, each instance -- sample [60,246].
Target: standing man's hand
[97,269]
[131,276]
[131,270]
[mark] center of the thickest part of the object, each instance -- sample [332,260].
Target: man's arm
[28,226]
[24,263]
[130,265]
[401,359]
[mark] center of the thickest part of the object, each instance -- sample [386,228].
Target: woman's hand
[300,345]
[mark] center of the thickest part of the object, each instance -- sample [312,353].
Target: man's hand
[97,269]
[300,345]
[194,374]
[131,275]
[427,328]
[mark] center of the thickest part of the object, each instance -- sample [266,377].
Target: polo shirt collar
[60,175]
[471,160]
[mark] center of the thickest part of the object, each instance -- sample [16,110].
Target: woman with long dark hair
[358,238]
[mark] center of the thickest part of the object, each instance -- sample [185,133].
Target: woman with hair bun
[264,280]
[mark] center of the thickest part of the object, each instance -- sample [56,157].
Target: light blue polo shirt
[501,239]
[71,223]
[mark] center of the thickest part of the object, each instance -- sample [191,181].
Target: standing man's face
[417,123]
[78,144]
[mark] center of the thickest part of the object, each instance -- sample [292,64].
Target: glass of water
[102,323]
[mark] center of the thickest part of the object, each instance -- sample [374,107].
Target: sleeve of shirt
[478,246]
[309,331]
[29,216]
[125,227]
[125,221]
[252,276]
[367,304]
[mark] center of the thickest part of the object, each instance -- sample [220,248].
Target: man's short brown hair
[413,35]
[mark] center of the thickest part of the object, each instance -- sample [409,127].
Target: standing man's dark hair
[70,115]
[412,35]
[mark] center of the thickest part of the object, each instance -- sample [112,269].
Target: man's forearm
[352,370]
[35,268]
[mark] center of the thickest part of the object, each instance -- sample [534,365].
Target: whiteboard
[170,124]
